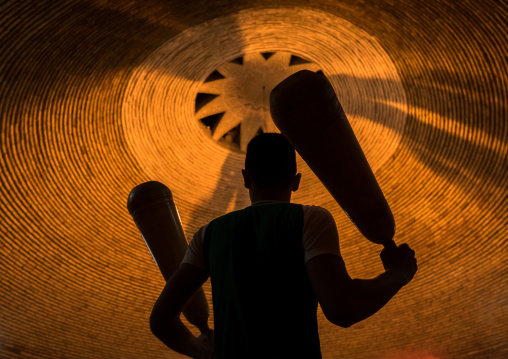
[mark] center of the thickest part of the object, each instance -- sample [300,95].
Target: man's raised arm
[346,301]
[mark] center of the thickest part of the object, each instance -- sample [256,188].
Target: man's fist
[402,261]
[206,339]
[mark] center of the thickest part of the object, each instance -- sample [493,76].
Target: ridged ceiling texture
[99,96]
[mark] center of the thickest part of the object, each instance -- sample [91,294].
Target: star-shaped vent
[232,103]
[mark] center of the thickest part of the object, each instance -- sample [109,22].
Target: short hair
[271,161]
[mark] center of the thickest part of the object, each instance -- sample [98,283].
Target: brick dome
[97,97]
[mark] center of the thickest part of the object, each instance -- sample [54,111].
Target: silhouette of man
[270,264]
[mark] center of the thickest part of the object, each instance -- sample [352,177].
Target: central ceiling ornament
[192,106]
[232,103]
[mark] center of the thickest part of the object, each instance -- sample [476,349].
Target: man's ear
[247,180]
[296,182]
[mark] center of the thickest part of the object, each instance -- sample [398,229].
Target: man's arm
[165,320]
[346,301]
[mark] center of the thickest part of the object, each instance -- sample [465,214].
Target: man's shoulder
[308,211]
[247,211]
[316,211]
[227,216]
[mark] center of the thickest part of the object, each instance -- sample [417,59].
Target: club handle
[390,254]
[390,245]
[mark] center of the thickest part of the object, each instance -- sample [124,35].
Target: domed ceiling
[97,97]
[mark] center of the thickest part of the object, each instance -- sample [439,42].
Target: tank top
[263,302]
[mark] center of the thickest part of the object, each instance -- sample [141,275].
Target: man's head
[270,164]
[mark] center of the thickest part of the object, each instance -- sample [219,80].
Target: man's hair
[271,161]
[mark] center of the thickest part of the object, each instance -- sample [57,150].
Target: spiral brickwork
[96,97]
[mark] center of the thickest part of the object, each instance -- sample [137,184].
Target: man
[270,264]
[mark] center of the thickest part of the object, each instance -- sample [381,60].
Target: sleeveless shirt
[263,302]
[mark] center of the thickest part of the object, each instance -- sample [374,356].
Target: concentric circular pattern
[97,97]
[197,167]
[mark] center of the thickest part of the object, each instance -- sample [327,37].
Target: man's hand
[402,261]
[165,320]
[207,345]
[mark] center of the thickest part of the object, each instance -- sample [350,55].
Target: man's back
[268,264]
[264,305]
